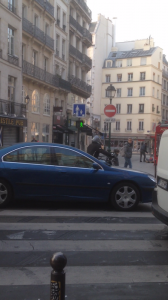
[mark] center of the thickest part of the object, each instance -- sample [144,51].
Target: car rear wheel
[125,196]
[5,193]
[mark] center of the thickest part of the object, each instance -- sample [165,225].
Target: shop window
[35,102]
[45,133]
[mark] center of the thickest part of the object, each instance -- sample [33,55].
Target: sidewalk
[137,165]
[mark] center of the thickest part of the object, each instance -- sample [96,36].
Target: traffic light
[79,124]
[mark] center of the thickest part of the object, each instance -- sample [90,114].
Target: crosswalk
[111,255]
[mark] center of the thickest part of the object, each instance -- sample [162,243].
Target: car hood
[131,171]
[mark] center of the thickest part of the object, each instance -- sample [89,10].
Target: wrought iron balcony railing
[64,84]
[86,60]
[47,6]
[75,24]
[13,109]
[40,74]
[76,53]
[37,33]
[12,8]
[13,59]
[80,84]
[87,35]
[165,73]
[84,7]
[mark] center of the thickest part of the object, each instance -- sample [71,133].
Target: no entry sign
[110,110]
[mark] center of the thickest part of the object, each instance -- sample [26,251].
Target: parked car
[160,196]
[46,171]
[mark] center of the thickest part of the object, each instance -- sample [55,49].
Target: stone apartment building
[165,90]
[12,111]
[135,70]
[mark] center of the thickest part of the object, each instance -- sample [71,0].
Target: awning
[62,129]
[97,131]
[87,130]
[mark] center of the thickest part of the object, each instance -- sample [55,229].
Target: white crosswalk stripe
[17,239]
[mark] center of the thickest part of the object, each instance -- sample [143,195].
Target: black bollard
[57,289]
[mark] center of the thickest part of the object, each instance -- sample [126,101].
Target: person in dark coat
[128,154]
[95,148]
[143,151]
[33,140]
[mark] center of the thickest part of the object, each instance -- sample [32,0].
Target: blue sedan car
[46,171]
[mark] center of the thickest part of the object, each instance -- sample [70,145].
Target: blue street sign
[79,110]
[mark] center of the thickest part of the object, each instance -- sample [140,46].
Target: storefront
[11,131]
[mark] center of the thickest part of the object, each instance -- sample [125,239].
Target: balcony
[87,61]
[75,24]
[84,8]
[165,73]
[75,53]
[37,33]
[79,87]
[12,59]
[40,74]
[87,37]
[64,84]
[12,8]
[12,109]
[47,6]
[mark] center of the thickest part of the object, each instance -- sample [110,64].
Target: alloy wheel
[125,197]
[3,193]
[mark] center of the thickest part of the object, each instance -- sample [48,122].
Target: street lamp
[110,92]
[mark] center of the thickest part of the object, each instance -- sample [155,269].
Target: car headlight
[152,178]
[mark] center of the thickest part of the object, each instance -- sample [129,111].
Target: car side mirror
[96,166]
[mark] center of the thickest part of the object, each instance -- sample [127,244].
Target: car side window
[11,157]
[69,158]
[31,155]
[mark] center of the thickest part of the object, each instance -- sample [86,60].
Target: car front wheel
[125,196]
[5,193]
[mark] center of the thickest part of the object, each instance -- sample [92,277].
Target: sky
[136,19]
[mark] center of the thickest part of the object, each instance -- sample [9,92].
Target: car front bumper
[157,211]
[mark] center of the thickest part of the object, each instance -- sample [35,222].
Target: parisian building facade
[165,90]
[135,70]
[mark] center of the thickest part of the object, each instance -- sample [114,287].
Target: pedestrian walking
[128,154]
[143,151]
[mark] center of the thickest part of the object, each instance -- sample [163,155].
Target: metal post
[57,288]
[109,147]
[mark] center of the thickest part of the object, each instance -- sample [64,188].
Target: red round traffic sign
[110,110]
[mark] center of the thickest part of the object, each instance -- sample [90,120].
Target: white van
[160,196]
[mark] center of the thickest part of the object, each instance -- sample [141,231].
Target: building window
[36,20]
[24,11]
[119,63]
[141,125]
[153,108]
[143,61]
[58,15]
[107,78]
[157,94]
[11,88]
[118,108]
[108,64]
[142,91]
[158,112]
[34,58]
[153,76]
[57,44]
[106,127]
[11,6]
[163,114]
[130,92]
[142,76]
[64,21]
[141,108]
[35,102]
[10,41]
[35,130]
[130,76]
[63,49]
[119,77]
[25,134]
[158,78]
[45,133]
[167,101]
[118,92]
[46,105]
[153,92]
[159,65]
[129,108]
[45,64]
[129,125]
[164,99]
[164,85]
[117,125]
[129,62]
[166,114]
